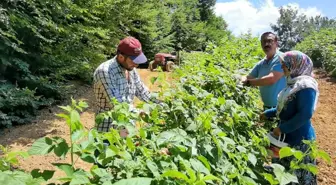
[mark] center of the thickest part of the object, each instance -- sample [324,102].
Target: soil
[324,121]
[47,124]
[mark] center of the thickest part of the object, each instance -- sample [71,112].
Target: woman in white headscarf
[296,105]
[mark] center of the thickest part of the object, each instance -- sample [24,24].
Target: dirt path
[47,124]
[324,121]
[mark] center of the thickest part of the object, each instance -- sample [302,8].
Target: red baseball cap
[131,47]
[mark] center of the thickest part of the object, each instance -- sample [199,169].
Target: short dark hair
[267,33]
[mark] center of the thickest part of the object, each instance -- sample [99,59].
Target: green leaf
[282,176]
[67,108]
[88,158]
[61,149]
[241,149]
[324,155]
[191,174]
[252,158]
[175,174]
[66,117]
[198,166]
[204,161]
[99,118]
[211,177]
[131,130]
[79,108]
[77,135]
[75,121]
[79,177]
[83,104]
[135,181]
[143,133]
[107,183]
[251,173]
[153,80]
[298,155]
[74,116]
[270,178]
[46,174]
[18,178]
[100,172]
[153,168]
[12,156]
[73,101]
[37,181]
[41,146]
[285,152]
[175,136]
[67,168]
[6,178]
[248,181]
[310,167]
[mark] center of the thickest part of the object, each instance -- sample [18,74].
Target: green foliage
[204,132]
[292,27]
[314,36]
[18,106]
[298,156]
[321,47]
[206,9]
[10,159]
[46,43]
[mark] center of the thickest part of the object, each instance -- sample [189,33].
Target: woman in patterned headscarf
[296,105]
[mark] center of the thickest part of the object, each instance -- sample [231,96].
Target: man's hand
[269,79]
[262,116]
[164,151]
[246,83]
[123,133]
[245,80]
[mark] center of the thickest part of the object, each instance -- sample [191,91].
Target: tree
[216,30]
[293,27]
[286,28]
[194,24]
[46,43]
[206,9]
[321,46]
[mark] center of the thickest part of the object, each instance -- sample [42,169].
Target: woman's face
[284,68]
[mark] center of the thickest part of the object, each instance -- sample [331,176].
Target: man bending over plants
[117,78]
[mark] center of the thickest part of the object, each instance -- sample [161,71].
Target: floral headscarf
[298,63]
[301,71]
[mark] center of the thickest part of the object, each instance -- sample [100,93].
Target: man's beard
[267,48]
[123,65]
[128,69]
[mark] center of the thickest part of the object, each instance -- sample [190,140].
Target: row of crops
[206,132]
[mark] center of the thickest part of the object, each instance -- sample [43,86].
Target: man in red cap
[117,78]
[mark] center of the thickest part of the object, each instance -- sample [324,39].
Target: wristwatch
[247,83]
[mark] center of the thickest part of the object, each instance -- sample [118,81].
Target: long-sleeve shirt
[295,117]
[110,82]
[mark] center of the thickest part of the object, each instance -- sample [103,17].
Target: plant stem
[71,149]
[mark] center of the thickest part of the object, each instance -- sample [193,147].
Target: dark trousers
[267,107]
